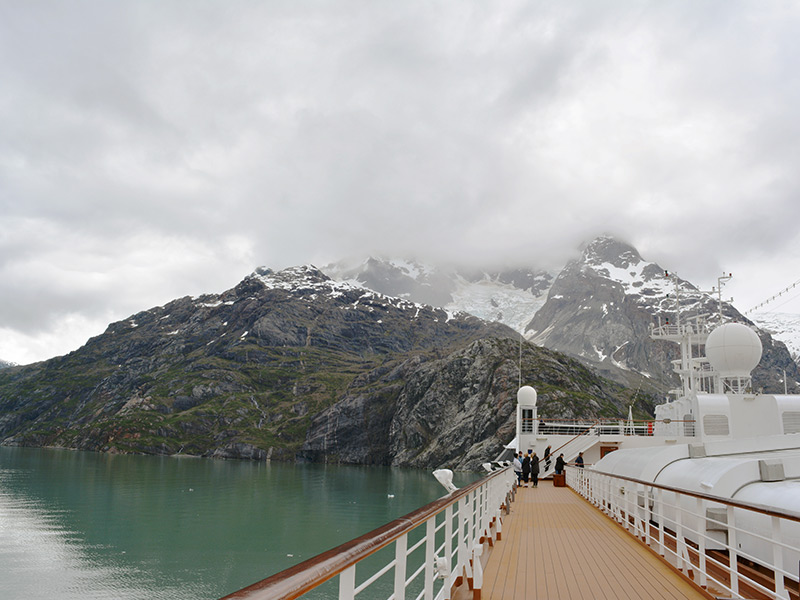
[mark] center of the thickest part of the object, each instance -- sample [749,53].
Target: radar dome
[733,350]
[526,396]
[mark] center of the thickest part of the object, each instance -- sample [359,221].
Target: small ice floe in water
[290,555]
[390,495]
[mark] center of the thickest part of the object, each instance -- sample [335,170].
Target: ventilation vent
[791,421]
[716,425]
[688,425]
[771,470]
[697,451]
[716,519]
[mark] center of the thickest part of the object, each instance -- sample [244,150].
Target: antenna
[674,278]
[721,281]
[520,362]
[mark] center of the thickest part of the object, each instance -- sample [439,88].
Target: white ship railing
[738,549]
[423,555]
[599,427]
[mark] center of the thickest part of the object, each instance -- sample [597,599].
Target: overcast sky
[152,150]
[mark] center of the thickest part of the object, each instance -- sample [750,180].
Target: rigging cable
[772,298]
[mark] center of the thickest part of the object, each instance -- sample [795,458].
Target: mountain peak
[291,277]
[607,249]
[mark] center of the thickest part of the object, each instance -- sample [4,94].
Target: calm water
[85,525]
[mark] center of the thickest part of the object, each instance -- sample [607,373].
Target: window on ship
[527,420]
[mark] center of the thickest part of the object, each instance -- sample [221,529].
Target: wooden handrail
[295,581]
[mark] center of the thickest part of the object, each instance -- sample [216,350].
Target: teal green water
[86,525]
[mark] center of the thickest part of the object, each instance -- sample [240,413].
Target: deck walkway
[556,545]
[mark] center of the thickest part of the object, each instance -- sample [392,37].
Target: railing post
[347,583]
[477,569]
[659,504]
[622,491]
[430,556]
[649,516]
[463,533]
[400,550]
[777,559]
[638,515]
[702,532]
[733,556]
[485,515]
[679,539]
[498,500]
[448,550]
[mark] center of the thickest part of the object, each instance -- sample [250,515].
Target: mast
[693,371]
[721,281]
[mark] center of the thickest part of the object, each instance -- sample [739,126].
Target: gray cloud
[154,150]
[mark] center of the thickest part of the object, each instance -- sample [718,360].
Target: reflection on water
[85,525]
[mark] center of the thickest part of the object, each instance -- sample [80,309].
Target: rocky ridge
[460,409]
[601,306]
[290,363]
[598,308]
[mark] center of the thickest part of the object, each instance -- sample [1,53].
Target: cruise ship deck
[556,545]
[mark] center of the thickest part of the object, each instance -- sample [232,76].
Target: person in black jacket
[560,464]
[535,469]
[526,468]
[547,458]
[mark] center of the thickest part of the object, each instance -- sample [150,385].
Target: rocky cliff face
[457,410]
[235,374]
[290,363]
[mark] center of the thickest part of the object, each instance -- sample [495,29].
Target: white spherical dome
[733,350]
[526,396]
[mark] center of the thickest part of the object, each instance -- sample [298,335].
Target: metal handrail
[301,578]
[551,426]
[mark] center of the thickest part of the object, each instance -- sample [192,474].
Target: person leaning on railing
[560,464]
[579,460]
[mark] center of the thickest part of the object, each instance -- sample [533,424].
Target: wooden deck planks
[556,545]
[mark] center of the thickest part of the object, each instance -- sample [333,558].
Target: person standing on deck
[547,458]
[560,464]
[526,468]
[579,460]
[535,469]
[518,467]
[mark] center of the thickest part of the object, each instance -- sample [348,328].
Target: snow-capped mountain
[783,326]
[5,364]
[600,287]
[599,307]
[602,305]
[509,297]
